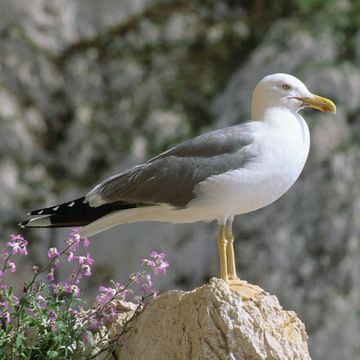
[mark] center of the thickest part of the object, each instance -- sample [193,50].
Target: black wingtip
[23,224]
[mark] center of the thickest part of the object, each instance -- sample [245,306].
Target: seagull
[214,176]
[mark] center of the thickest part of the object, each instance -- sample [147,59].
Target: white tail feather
[116,218]
[163,212]
[39,221]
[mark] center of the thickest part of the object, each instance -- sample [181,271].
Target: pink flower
[56,263]
[52,253]
[18,244]
[86,259]
[67,287]
[73,240]
[161,267]
[5,254]
[148,285]
[107,290]
[11,266]
[75,233]
[157,256]
[53,315]
[86,269]
[51,274]
[147,263]
[134,277]
[40,301]
[5,311]
[71,256]
[75,290]
[107,294]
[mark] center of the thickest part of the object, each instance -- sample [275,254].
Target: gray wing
[171,177]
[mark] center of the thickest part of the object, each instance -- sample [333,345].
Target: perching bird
[214,176]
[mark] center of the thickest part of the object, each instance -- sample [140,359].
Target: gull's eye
[286,86]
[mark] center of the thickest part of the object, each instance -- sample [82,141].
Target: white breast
[282,145]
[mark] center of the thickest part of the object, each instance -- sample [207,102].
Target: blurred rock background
[88,88]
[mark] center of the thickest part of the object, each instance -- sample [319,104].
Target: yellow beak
[319,103]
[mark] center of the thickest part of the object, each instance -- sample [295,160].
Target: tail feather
[143,213]
[73,213]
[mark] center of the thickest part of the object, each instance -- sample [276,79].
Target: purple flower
[147,263]
[73,312]
[75,290]
[11,266]
[160,267]
[86,259]
[1,273]
[53,315]
[56,263]
[149,285]
[5,254]
[108,293]
[107,290]
[52,253]
[41,302]
[75,233]
[71,289]
[157,256]
[5,311]
[15,300]
[18,244]
[51,274]
[71,256]
[86,269]
[85,338]
[134,277]
[94,325]
[73,240]
[66,287]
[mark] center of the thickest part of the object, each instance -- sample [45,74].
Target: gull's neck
[259,107]
[286,122]
[261,112]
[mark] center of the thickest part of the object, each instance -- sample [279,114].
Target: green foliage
[43,329]
[47,320]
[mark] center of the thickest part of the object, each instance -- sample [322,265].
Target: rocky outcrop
[214,322]
[88,88]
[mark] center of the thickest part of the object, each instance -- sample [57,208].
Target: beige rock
[214,322]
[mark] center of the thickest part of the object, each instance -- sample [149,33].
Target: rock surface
[214,322]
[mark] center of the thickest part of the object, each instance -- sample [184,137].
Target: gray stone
[214,322]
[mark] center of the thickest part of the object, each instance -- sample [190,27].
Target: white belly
[282,157]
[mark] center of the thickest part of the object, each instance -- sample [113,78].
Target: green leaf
[52,354]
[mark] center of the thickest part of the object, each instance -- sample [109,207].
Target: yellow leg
[230,251]
[222,245]
[247,291]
